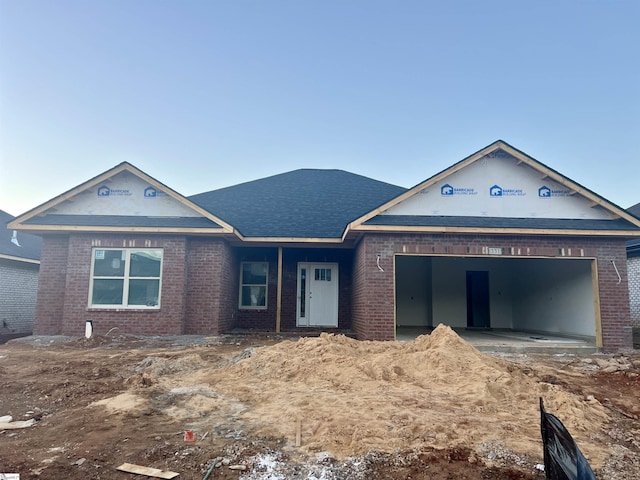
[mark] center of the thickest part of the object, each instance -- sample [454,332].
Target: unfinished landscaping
[328,407]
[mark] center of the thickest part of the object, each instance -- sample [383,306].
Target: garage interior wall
[537,295]
[450,291]
[554,296]
[413,291]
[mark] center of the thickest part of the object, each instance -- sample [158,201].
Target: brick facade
[65,280]
[211,287]
[373,290]
[373,296]
[52,285]
[200,282]
[200,287]
[265,320]
[291,258]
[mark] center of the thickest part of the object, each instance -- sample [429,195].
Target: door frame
[308,313]
[478,298]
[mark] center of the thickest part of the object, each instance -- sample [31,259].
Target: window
[323,274]
[125,277]
[253,285]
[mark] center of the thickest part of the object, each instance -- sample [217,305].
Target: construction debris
[148,471]
[7,423]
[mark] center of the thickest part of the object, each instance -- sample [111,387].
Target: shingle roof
[30,245]
[635,210]
[500,222]
[305,203]
[122,221]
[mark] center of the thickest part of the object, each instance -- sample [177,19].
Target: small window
[125,277]
[253,285]
[323,274]
[303,292]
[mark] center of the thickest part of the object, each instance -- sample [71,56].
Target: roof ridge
[292,172]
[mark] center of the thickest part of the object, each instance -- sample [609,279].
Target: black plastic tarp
[563,460]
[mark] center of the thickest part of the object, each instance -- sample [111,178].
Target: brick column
[373,316]
[51,285]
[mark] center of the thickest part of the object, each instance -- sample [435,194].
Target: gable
[499,185]
[500,189]
[124,194]
[121,199]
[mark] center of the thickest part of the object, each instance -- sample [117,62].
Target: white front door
[317,304]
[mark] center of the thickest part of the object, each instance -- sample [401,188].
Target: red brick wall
[373,315]
[71,319]
[211,287]
[200,282]
[229,287]
[291,258]
[259,319]
[615,311]
[373,290]
[51,286]
[265,320]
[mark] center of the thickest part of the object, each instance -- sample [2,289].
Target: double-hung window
[125,277]
[253,285]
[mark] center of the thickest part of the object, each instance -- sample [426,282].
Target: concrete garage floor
[510,341]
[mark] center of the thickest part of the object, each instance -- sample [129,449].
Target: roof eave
[45,229]
[291,240]
[19,259]
[494,230]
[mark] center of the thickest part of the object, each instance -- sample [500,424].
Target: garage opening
[536,295]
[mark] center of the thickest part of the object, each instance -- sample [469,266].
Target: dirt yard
[330,407]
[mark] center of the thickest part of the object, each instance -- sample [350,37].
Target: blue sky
[206,94]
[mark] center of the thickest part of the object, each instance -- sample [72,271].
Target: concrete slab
[510,341]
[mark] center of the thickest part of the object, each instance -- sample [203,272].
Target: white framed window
[253,285]
[125,278]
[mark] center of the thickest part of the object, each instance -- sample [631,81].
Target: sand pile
[353,396]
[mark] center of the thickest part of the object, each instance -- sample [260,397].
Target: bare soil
[265,407]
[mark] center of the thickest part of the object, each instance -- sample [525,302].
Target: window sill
[123,309]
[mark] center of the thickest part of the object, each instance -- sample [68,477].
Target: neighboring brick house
[633,266]
[497,240]
[19,266]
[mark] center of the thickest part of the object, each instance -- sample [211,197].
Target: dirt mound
[434,408]
[158,366]
[348,396]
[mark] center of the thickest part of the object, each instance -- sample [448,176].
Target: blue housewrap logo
[446,190]
[544,192]
[498,191]
[151,192]
[105,191]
